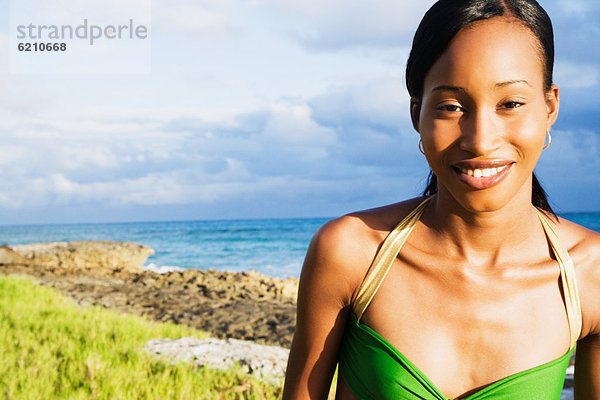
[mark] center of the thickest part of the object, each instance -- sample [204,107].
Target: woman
[469,292]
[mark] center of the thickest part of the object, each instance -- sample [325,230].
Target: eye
[512,104]
[450,108]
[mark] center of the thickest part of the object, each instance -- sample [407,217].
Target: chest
[465,331]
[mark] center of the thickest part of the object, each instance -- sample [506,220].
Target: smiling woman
[498,117]
[477,290]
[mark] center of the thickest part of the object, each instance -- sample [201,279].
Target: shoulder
[355,233]
[343,248]
[583,246]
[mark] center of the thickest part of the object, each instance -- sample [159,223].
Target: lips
[483,174]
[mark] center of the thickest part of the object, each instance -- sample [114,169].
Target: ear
[415,112]
[552,106]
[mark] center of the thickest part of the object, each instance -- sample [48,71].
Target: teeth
[485,172]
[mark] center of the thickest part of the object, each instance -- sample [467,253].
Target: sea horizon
[563,214]
[272,246]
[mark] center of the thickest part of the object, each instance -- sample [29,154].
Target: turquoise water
[274,247]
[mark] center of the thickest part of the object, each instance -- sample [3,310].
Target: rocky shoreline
[247,305]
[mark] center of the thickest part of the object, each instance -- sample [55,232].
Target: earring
[549,141]
[421,147]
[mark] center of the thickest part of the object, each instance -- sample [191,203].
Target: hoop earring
[421,147]
[549,141]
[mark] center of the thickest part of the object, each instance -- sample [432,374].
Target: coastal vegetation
[53,348]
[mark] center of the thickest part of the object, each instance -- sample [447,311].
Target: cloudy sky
[257,108]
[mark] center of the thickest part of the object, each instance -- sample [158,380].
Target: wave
[163,269]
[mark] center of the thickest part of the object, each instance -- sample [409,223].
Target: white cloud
[10,154]
[569,169]
[151,157]
[382,102]
[59,12]
[578,7]
[197,17]
[237,109]
[153,189]
[572,150]
[4,43]
[569,74]
[292,125]
[334,24]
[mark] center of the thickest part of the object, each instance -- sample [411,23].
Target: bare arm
[587,368]
[587,364]
[325,291]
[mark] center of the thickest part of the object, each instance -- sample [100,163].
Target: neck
[482,237]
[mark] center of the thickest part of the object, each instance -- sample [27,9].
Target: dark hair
[445,19]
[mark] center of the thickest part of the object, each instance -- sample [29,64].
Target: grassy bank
[52,348]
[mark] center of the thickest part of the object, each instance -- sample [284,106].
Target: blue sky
[259,108]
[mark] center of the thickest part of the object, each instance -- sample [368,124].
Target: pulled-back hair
[445,19]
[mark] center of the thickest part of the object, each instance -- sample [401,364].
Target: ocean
[274,247]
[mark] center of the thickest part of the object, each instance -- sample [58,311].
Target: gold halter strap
[385,258]
[393,243]
[567,278]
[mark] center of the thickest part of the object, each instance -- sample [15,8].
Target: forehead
[487,52]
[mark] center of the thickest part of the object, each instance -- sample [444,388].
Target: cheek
[527,133]
[444,134]
[438,134]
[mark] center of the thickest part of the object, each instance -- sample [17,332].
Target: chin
[482,204]
[483,201]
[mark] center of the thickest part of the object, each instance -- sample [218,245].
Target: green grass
[50,348]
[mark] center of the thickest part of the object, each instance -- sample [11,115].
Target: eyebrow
[458,89]
[446,88]
[513,82]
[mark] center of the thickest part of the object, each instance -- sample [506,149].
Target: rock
[97,256]
[247,306]
[266,362]
[9,256]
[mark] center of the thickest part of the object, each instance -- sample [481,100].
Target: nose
[481,133]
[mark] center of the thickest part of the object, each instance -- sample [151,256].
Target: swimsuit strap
[395,240]
[384,259]
[567,278]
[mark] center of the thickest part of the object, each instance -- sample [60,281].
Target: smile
[478,173]
[483,175]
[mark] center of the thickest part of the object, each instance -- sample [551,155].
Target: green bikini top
[374,369]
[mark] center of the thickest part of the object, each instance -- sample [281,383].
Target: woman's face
[484,114]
